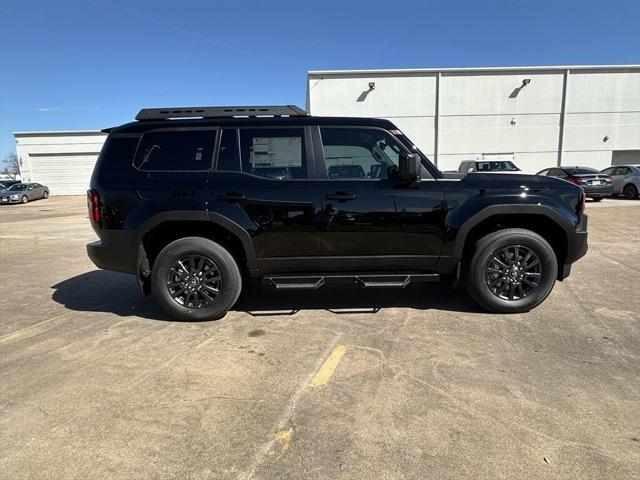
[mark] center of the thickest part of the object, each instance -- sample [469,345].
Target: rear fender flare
[201,216]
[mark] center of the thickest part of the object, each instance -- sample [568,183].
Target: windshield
[17,186]
[582,171]
[502,166]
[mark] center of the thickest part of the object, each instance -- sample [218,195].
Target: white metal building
[536,116]
[61,160]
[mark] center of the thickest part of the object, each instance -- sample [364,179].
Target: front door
[264,181]
[374,221]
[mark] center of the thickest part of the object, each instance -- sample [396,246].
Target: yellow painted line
[328,367]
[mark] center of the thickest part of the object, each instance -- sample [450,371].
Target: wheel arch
[165,227]
[543,220]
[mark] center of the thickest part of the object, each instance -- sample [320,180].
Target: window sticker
[276,152]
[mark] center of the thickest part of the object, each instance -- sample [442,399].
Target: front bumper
[577,247]
[8,200]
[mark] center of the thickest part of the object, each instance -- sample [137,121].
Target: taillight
[581,203]
[574,180]
[93,203]
[609,180]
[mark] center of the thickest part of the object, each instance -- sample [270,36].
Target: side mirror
[410,167]
[471,169]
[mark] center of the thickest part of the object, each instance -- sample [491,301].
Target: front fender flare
[505,209]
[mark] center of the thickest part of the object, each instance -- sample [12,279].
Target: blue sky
[92,64]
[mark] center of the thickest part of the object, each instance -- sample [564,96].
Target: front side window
[609,171]
[175,151]
[359,153]
[276,153]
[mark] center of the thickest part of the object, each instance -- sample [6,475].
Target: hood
[515,180]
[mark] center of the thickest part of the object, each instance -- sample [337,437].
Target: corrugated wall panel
[63,174]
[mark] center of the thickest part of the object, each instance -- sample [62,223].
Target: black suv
[196,201]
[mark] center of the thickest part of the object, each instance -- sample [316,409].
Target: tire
[480,272]
[166,273]
[630,191]
[597,199]
[45,195]
[24,199]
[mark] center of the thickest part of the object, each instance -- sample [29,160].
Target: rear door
[373,221]
[265,181]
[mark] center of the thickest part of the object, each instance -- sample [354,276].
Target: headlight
[14,197]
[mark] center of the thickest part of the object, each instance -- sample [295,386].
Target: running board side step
[314,282]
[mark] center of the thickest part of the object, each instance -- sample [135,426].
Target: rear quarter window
[175,151]
[115,160]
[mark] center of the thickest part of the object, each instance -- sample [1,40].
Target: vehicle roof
[565,167]
[145,125]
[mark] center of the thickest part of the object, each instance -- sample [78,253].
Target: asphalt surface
[96,382]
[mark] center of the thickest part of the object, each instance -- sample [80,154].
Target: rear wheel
[24,199]
[194,278]
[511,271]
[630,191]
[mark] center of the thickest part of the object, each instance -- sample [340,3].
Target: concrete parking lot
[96,382]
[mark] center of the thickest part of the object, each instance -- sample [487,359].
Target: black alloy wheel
[630,192]
[513,272]
[194,281]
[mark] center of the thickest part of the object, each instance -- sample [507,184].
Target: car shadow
[117,293]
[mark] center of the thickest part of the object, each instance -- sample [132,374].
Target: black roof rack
[220,112]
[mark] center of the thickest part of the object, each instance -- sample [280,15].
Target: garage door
[625,157]
[64,174]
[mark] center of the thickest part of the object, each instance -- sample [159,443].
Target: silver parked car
[626,179]
[23,193]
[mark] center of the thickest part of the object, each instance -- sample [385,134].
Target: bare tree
[11,166]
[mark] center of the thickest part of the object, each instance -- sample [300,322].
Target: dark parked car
[23,193]
[595,184]
[197,201]
[626,180]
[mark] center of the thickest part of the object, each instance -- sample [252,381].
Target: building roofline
[474,69]
[57,133]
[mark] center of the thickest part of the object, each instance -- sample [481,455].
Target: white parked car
[626,180]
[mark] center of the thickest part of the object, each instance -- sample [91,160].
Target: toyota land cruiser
[196,201]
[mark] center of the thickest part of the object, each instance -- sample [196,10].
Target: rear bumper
[114,251]
[598,190]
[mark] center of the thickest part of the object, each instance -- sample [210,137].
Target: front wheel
[45,195]
[24,199]
[511,271]
[195,279]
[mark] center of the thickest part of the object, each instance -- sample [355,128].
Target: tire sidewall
[549,271]
[24,199]
[231,279]
[632,188]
